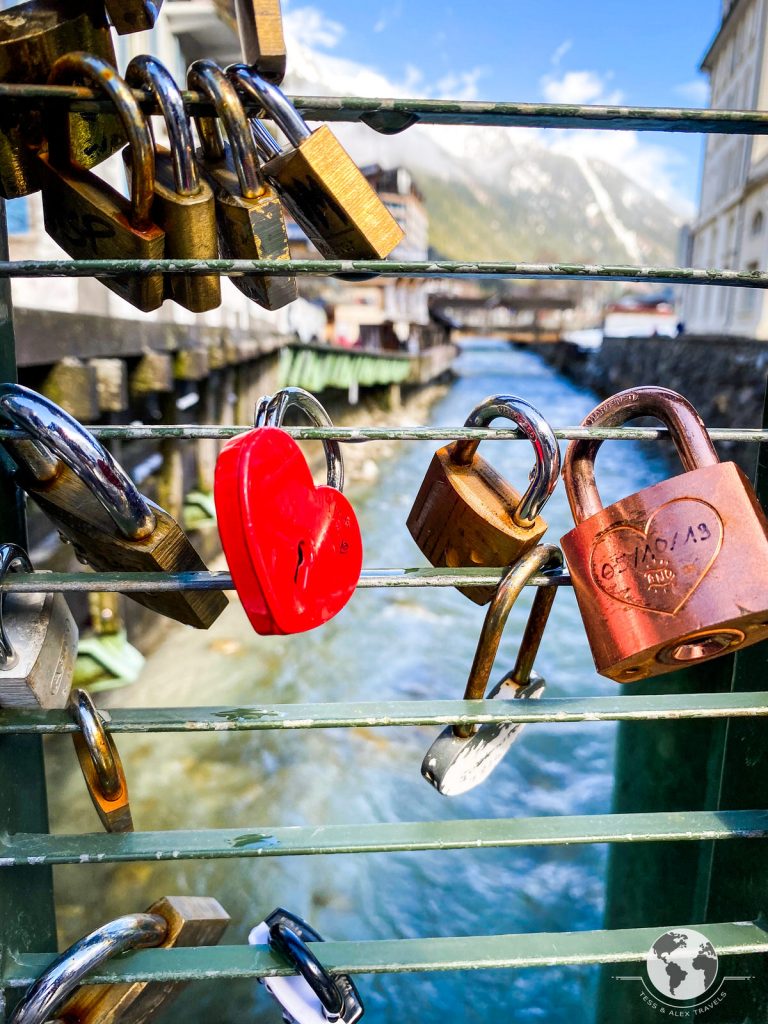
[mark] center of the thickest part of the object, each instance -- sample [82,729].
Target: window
[757,223]
[749,295]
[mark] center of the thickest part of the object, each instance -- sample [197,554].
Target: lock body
[332,201]
[454,764]
[189,225]
[91,220]
[463,515]
[129,16]
[43,636]
[85,523]
[673,574]
[250,229]
[33,36]
[262,42]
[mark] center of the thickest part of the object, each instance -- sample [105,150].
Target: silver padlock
[38,643]
[314,996]
[463,756]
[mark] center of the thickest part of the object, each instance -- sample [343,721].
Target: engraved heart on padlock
[294,549]
[658,565]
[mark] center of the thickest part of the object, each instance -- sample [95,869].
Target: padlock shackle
[46,995]
[208,78]
[78,65]
[287,398]
[537,429]
[240,76]
[10,554]
[276,103]
[61,434]
[284,940]
[103,752]
[686,428]
[545,556]
[147,72]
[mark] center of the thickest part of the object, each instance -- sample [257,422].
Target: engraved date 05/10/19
[658,565]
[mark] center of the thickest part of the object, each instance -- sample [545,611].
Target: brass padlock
[674,574]
[87,217]
[93,502]
[62,991]
[248,211]
[100,764]
[38,643]
[463,756]
[33,36]
[321,185]
[183,204]
[129,16]
[262,43]
[466,514]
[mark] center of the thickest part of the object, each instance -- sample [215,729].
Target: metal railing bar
[359,435]
[395,956]
[165,582]
[290,841]
[391,114]
[388,268]
[618,707]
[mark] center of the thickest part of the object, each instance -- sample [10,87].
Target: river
[398,644]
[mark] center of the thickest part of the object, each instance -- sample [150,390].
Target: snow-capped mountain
[498,193]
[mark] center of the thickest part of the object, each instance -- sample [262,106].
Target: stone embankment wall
[724,378]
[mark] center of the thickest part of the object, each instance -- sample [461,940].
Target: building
[731,229]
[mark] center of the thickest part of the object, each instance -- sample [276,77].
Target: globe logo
[682,964]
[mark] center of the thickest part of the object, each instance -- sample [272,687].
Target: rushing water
[399,644]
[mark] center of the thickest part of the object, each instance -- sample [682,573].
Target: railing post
[27,915]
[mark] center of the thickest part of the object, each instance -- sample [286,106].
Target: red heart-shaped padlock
[294,549]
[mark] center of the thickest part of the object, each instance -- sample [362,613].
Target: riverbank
[724,378]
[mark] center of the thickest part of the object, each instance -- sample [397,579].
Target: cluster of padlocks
[663,579]
[223,198]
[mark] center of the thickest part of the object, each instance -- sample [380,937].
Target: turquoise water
[395,644]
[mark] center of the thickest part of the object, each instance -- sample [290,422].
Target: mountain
[498,193]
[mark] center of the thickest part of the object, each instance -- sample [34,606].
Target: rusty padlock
[466,514]
[674,574]
[463,755]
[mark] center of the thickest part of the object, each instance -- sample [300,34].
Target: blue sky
[561,50]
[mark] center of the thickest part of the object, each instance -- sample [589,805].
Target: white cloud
[560,52]
[695,92]
[310,27]
[388,14]
[579,87]
[461,85]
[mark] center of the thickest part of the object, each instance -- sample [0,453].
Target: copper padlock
[674,574]
[467,515]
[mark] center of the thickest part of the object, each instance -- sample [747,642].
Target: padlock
[466,514]
[93,502]
[171,922]
[32,36]
[463,755]
[673,574]
[249,215]
[294,549]
[38,643]
[313,996]
[321,185]
[87,217]
[183,204]
[128,16]
[100,764]
[262,43]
